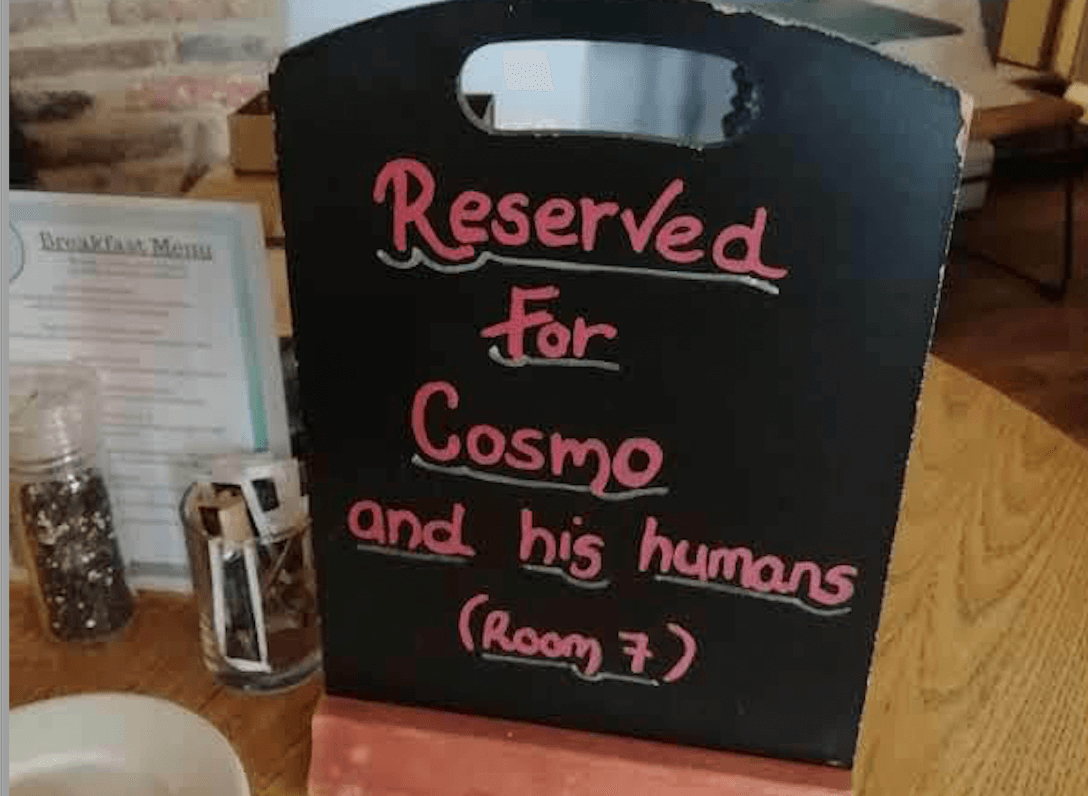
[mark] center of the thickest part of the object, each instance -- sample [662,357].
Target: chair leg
[1069,245]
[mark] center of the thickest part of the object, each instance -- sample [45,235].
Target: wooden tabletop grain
[980,681]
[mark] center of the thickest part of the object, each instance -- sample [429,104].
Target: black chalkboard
[707,509]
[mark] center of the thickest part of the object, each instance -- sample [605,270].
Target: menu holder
[169,301]
[609,433]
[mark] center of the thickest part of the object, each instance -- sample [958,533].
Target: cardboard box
[251,137]
[1078,93]
[1027,37]
[1071,42]
[222,184]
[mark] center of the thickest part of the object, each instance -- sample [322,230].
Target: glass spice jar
[60,503]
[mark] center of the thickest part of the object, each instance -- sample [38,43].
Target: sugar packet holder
[237,607]
[244,499]
[271,488]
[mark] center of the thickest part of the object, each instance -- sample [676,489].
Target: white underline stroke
[467,472]
[484,257]
[564,362]
[584,584]
[594,678]
[777,598]
[393,551]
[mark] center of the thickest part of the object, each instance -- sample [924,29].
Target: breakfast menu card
[170,301]
[610,433]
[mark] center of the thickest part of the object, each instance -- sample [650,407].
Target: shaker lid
[52,410]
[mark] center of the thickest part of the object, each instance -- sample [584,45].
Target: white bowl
[120,745]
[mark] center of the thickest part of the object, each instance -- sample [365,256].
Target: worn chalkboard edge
[786,22]
[966,101]
[315,45]
[966,112]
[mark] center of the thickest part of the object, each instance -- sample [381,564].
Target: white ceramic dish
[120,745]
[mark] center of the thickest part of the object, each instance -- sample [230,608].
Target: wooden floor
[999,329]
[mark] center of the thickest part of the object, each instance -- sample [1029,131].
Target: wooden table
[159,655]
[980,683]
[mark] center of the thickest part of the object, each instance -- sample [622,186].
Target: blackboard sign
[610,433]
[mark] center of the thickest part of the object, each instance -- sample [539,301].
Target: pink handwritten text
[497,635]
[763,575]
[553,339]
[514,220]
[500,638]
[402,528]
[579,552]
[634,464]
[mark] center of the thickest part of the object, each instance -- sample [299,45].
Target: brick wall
[132,96]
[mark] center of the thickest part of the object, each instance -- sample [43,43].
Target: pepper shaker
[60,503]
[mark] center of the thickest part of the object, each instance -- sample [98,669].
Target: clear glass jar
[60,504]
[257,604]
